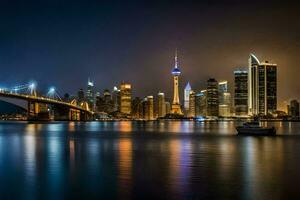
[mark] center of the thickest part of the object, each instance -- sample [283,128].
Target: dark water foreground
[158,160]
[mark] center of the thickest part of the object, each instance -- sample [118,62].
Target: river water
[158,160]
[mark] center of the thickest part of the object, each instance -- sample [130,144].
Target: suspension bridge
[49,106]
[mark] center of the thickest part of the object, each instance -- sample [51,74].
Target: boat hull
[256,131]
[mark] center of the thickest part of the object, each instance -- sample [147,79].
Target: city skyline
[179,86]
[56,40]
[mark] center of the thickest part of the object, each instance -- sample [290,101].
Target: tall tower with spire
[176,109]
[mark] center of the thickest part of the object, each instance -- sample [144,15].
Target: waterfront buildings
[146,109]
[176,108]
[187,91]
[125,98]
[262,87]
[241,93]
[104,103]
[161,105]
[212,98]
[255,93]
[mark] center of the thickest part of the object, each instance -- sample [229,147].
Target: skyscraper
[175,108]
[100,104]
[90,97]
[262,87]
[223,87]
[136,108]
[125,96]
[150,108]
[224,107]
[201,103]
[168,107]
[161,104]
[106,95]
[116,99]
[212,98]
[80,95]
[191,110]
[108,103]
[187,91]
[224,99]
[293,109]
[241,92]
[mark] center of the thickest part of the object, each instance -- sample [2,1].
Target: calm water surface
[159,160]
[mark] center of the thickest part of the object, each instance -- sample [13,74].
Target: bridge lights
[52,93]
[52,90]
[32,88]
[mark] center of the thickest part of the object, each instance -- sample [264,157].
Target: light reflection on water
[125,167]
[147,159]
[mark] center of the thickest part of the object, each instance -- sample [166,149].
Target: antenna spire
[176,59]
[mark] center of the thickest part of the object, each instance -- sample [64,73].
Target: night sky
[62,43]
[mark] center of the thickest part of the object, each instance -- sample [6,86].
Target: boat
[253,128]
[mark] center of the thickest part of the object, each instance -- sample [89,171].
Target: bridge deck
[42,100]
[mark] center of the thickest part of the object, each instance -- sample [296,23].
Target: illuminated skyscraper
[144,109]
[175,108]
[224,99]
[223,87]
[90,97]
[116,99]
[293,109]
[187,91]
[224,108]
[212,98]
[241,92]
[125,96]
[161,104]
[201,103]
[262,87]
[191,111]
[150,108]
